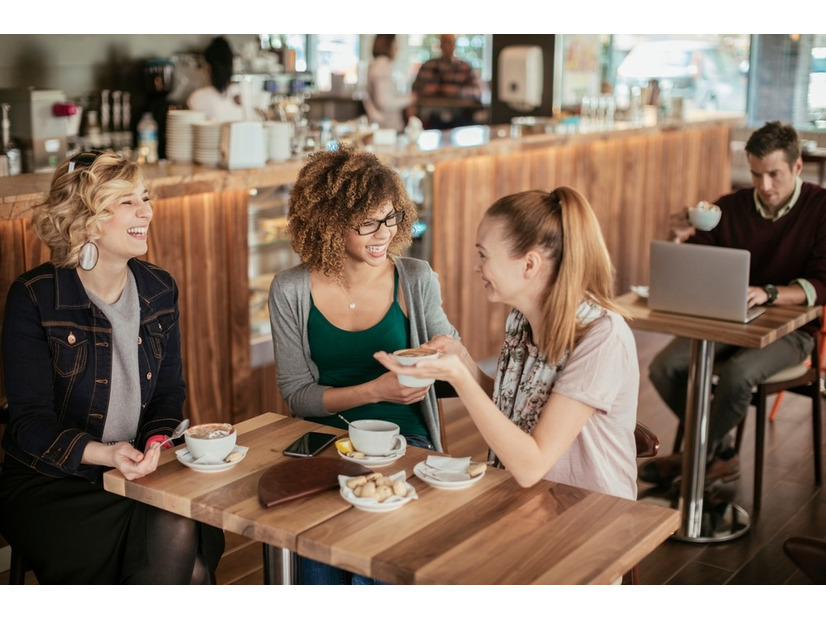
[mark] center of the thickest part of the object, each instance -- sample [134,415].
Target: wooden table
[775,322]
[491,533]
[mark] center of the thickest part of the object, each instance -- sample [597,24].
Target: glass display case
[270,252]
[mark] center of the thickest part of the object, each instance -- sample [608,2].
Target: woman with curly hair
[352,295]
[92,361]
[568,376]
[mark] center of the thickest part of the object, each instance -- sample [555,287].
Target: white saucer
[185,458]
[640,291]
[420,470]
[375,461]
[372,505]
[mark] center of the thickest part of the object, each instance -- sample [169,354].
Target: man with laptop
[781,222]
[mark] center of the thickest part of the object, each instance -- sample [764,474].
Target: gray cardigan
[296,372]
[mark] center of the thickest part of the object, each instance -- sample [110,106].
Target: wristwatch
[771,291]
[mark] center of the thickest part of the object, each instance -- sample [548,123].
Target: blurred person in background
[385,104]
[447,77]
[221,100]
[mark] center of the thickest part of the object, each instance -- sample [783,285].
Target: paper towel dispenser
[520,76]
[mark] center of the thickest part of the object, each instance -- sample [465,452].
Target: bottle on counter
[10,161]
[148,139]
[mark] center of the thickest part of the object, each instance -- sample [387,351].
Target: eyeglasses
[86,158]
[371,226]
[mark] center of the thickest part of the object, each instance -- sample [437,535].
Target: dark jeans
[738,371]
[312,572]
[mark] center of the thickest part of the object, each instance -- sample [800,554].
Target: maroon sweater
[792,247]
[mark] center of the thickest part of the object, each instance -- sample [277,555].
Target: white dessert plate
[185,458]
[429,475]
[371,505]
[374,461]
[640,291]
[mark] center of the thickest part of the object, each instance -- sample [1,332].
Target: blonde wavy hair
[76,206]
[562,226]
[335,192]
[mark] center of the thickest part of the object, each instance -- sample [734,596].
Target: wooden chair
[804,379]
[821,343]
[809,555]
[17,566]
[648,444]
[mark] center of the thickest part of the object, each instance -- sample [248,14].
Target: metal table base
[699,523]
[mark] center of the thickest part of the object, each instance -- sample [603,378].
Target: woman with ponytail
[567,378]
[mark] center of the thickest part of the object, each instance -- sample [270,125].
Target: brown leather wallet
[301,477]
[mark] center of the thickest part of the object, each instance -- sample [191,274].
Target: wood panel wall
[633,183]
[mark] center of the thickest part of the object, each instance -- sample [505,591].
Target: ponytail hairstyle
[562,226]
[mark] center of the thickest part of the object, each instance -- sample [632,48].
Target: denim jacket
[57,360]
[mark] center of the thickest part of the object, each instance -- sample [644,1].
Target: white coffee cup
[211,442]
[279,135]
[408,357]
[376,437]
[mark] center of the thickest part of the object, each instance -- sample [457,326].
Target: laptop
[701,280]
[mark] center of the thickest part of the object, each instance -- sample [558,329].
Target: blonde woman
[93,369]
[567,377]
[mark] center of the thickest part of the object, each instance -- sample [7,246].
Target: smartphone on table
[309,444]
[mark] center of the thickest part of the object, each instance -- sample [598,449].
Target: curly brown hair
[77,203]
[336,191]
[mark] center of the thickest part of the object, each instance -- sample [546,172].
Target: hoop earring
[88,256]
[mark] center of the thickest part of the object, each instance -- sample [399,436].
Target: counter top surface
[166,179]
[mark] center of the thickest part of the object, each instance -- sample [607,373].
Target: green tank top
[346,358]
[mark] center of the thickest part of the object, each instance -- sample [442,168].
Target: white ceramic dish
[375,461]
[371,505]
[425,473]
[640,291]
[185,458]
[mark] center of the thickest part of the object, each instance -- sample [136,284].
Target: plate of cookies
[376,492]
[444,472]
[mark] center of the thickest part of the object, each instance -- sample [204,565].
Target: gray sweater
[296,372]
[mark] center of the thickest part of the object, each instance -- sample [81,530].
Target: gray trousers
[738,371]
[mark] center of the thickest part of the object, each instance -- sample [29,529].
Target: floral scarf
[524,379]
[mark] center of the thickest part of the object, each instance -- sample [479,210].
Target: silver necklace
[352,304]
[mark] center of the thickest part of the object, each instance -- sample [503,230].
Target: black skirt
[72,531]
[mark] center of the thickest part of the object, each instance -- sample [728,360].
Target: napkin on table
[447,468]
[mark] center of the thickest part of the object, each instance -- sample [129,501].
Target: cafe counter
[633,176]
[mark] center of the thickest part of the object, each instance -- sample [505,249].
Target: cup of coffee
[705,216]
[211,442]
[408,357]
[376,437]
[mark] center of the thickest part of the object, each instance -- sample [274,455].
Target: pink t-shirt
[603,372]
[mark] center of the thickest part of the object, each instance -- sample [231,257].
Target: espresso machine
[39,125]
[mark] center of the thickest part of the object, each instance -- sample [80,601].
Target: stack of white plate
[207,143]
[179,134]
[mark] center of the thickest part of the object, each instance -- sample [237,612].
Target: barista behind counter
[221,100]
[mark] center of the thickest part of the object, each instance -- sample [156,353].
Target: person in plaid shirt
[448,77]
